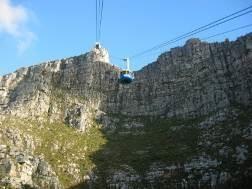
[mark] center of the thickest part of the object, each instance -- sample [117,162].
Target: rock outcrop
[19,168]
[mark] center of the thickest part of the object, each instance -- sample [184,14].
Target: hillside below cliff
[184,122]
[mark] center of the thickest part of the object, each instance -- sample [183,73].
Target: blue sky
[34,31]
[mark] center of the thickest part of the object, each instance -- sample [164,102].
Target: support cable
[198,30]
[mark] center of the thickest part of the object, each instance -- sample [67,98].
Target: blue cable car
[126,76]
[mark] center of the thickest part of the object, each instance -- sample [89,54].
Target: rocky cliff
[184,122]
[193,80]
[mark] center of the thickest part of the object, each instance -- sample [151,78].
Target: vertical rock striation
[196,79]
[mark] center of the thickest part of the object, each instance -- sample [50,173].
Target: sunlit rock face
[209,82]
[98,54]
[19,167]
[196,79]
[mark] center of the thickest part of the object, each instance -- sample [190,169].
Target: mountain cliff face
[193,80]
[184,122]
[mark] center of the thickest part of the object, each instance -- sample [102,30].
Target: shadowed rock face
[194,81]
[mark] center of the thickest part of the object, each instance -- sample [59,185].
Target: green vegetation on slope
[61,146]
[159,141]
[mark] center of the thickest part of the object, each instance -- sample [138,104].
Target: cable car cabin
[126,76]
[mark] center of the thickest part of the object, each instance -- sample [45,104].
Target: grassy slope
[60,145]
[164,141]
